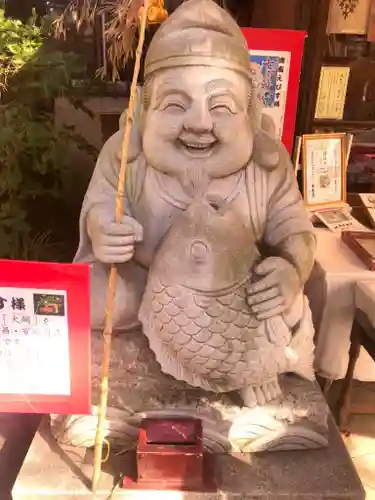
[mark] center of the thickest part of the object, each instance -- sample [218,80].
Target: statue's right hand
[113,243]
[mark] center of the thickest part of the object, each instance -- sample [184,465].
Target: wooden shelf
[345,124]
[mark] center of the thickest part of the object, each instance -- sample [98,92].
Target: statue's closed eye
[223,102]
[220,108]
[174,106]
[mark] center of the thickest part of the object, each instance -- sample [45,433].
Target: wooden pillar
[315,15]
[241,10]
[267,14]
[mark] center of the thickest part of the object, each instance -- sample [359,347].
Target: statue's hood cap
[199,32]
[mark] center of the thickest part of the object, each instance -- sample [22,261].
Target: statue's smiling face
[198,118]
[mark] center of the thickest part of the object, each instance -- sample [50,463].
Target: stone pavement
[361,442]
[16,434]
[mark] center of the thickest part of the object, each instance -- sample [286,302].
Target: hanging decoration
[348,17]
[121,26]
[156,12]
[347,7]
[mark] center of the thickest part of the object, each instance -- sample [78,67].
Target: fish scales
[194,309]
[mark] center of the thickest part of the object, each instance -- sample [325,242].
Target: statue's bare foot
[260,395]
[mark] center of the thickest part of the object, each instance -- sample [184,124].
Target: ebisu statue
[212,255]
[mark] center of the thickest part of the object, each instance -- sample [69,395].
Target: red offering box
[45,362]
[170,456]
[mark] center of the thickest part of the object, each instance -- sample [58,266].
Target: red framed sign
[45,362]
[278,56]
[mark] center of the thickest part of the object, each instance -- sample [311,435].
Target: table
[363,334]
[331,294]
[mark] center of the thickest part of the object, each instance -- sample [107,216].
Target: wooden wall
[266,14]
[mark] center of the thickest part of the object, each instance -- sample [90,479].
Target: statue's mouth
[197,149]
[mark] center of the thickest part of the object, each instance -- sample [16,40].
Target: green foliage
[29,69]
[18,44]
[41,246]
[34,153]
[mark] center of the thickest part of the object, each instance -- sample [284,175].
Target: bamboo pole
[107,334]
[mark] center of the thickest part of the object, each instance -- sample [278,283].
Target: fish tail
[300,355]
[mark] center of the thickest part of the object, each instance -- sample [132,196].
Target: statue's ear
[142,120]
[135,142]
[266,145]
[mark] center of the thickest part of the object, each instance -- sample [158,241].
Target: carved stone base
[138,389]
[54,471]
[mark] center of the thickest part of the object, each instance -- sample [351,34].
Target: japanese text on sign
[273,73]
[34,345]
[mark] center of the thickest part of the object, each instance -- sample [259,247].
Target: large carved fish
[195,315]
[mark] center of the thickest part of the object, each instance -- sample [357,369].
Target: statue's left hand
[275,290]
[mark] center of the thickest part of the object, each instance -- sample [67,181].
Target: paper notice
[333,85]
[34,343]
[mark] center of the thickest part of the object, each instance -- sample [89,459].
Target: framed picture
[278,55]
[324,164]
[44,338]
[371,23]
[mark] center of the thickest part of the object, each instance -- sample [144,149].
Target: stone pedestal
[57,471]
[59,462]
[139,389]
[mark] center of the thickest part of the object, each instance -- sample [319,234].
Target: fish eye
[215,206]
[199,251]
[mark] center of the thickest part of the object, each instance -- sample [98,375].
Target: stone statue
[214,250]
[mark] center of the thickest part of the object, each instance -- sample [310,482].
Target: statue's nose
[198,119]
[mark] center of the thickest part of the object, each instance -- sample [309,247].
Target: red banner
[45,338]
[278,56]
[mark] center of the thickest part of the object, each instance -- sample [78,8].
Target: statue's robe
[266,197]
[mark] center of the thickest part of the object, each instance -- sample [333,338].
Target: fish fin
[277,331]
[300,355]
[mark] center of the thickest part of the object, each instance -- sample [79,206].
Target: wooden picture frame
[355,241]
[324,166]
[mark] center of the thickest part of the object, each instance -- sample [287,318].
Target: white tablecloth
[331,293]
